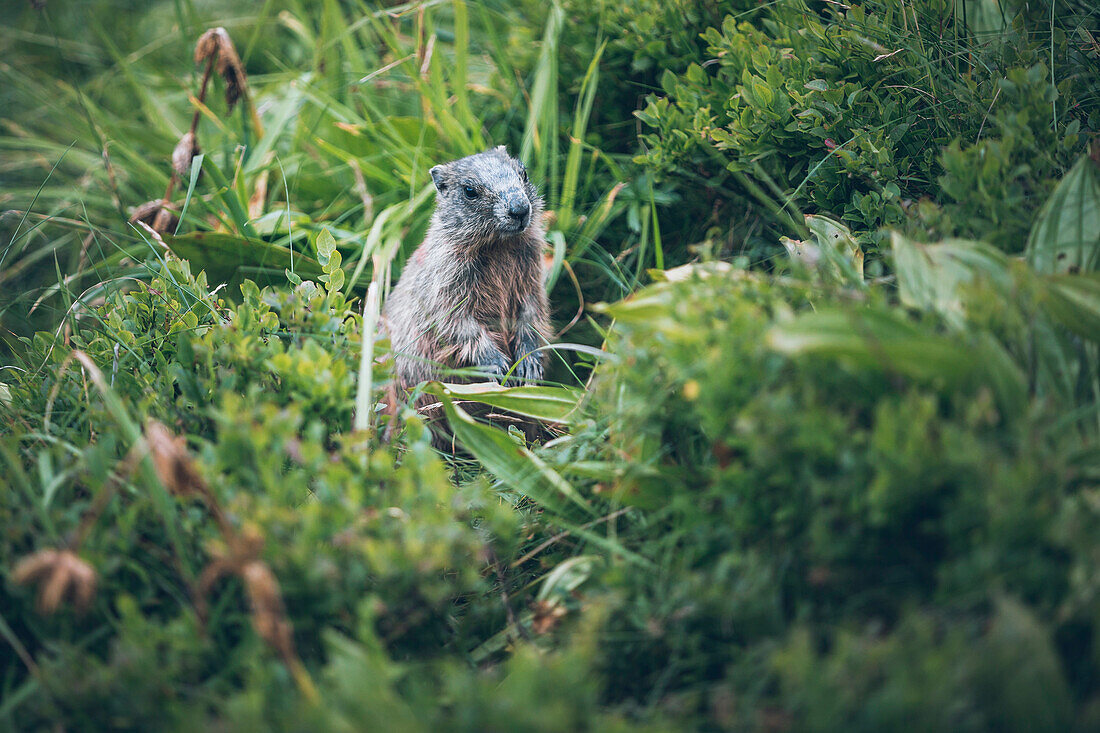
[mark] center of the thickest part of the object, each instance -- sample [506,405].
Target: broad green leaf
[841,256]
[1074,302]
[555,404]
[221,255]
[887,341]
[1066,236]
[567,576]
[514,465]
[931,276]
[654,305]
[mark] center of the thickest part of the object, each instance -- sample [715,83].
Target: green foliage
[809,496]
[857,508]
[352,107]
[265,390]
[846,112]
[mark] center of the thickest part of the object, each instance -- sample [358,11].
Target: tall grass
[349,108]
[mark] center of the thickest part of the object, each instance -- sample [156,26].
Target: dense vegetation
[824,405]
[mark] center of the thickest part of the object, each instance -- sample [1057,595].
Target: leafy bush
[845,500]
[263,389]
[846,112]
[806,498]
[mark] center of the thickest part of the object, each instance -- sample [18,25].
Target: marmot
[472,293]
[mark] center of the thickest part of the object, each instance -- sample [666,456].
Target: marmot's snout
[516,213]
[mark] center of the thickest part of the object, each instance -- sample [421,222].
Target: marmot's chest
[497,291]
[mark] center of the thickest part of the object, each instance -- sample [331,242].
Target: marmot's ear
[503,149]
[437,176]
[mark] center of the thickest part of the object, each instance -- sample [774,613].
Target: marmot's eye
[523,173]
[470,191]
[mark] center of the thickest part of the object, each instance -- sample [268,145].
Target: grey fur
[471,295]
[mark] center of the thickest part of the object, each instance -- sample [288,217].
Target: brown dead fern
[215,49]
[265,600]
[241,556]
[58,573]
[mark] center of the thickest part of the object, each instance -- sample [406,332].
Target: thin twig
[580,298]
[566,533]
[512,620]
[160,223]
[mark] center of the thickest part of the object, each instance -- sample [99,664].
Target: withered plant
[214,48]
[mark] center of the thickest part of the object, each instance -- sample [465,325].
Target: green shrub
[845,499]
[846,112]
[794,500]
[263,391]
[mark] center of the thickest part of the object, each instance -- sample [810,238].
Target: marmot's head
[485,197]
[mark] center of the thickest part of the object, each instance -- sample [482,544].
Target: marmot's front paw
[528,370]
[494,366]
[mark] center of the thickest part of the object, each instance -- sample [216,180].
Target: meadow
[822,445]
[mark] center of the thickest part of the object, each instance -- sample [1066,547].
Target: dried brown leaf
[264,595]
[173,465]
[33,567]
[156,215]
[146,212]
[207,46]
[165,220]
[546,615]
[186,150]
[52,589]
[57,572]
[216,44]
[268,615]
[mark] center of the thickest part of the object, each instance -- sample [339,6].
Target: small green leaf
[326,245]
[335,280]
[335,259]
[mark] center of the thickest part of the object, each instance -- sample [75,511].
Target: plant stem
[160,224]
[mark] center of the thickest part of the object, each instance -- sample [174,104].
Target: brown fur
[471,296]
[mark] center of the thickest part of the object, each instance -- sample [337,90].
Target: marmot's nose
[519,210]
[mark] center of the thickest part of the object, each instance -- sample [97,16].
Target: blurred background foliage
[826,381]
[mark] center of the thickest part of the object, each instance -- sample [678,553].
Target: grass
[331,150]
